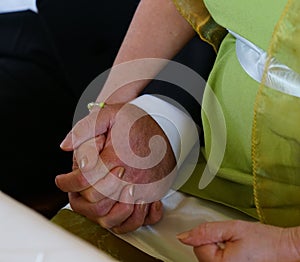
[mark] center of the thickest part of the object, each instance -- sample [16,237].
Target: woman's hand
[243,241]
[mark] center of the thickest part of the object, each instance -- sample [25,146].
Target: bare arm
[157,30]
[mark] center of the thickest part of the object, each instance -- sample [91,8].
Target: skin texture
[144,40]
[94,184]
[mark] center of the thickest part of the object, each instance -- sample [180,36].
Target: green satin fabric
[200,19]
[276,132]
[100,237]
[260,172]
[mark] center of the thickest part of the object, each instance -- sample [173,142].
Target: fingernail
[65,143]
[62,144]
[183,236]
[103,223]
[83,162]
[116,230]
[142,205]
[121,172]
[158,206]
[57,178]
[131,190]
[56,181]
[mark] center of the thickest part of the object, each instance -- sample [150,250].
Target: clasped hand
[123,165]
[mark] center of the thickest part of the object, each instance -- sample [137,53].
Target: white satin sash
[252,59]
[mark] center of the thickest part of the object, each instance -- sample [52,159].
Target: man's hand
[123,166]
[242,241]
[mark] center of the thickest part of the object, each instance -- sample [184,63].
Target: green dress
[260,169]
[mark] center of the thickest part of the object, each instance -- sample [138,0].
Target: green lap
[235,91]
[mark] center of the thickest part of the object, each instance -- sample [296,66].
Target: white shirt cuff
[179,127]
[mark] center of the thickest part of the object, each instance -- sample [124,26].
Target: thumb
[210,233]
[94,124]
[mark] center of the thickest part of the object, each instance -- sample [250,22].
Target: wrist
[122,94]
[179,128]
[128,79]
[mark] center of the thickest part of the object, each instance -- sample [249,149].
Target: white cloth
[181,213]
[7,6]
[27,236]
